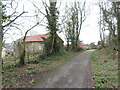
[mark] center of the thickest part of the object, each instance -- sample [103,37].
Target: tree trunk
[118,28]
[1,39]
[22,54]
[55,44]
[119,38]
[67,44]
[22,58]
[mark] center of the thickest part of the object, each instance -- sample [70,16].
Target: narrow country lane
[75,73]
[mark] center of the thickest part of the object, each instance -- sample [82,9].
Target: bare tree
[1,31]
[21,44]
[76,16]
[101,26]
[8,20]
[111,16]
[118,31]
[22,54]
[51,15]
[66,25]
[108,22]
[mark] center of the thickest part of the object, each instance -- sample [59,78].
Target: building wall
[3,52]
[31,48]
[34,47]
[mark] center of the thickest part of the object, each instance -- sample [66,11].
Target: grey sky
[89,32]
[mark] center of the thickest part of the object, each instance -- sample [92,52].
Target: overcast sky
[89,32]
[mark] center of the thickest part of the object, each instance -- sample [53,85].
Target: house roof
[81,45]
[37,38]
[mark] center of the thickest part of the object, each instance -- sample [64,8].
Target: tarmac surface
[76,73]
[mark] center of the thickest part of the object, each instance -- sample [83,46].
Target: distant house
[9,49]
[85,46]
[3,52]
[81,45]
[35,44]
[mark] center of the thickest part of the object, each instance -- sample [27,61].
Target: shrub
[48,45]
[33,61]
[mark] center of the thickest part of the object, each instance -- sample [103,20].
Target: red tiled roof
[36,38]
[81,45]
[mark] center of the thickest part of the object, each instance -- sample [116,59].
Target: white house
[3,52]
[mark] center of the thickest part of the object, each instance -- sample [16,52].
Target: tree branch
[29,30]
[13,20]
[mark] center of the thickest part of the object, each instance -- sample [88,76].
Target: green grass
[29,68]
[105,74]
[10,61]
[29,71]
[46,62]
[12,74]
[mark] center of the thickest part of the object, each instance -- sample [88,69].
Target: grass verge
[28,75]
[105,73]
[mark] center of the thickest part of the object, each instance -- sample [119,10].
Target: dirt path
[75,73]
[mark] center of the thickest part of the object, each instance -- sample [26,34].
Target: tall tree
[118,30]
[1,32]
[108,22]
[77,15]
[22,47]
[101,26]
[66,26]
[52,19]
[8,21]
